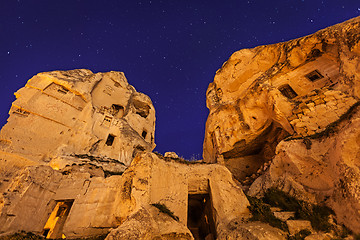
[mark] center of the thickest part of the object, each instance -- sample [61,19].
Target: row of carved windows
[290,93]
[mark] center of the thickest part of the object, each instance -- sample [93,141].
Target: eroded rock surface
[75,116]
[196,193]
[273,110]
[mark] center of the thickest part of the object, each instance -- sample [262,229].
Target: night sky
[169,50]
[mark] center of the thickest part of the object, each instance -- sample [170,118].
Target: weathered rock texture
[63,117]
[88,126]
[98,204]
[171,182]
[76,162]
[275,109]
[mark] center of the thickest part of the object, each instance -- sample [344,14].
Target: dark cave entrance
[200,219]
[246,160]
[110,140]
[288,91]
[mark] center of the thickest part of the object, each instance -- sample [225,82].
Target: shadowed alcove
[200,219]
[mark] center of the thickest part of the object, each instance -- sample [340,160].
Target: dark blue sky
[169,50]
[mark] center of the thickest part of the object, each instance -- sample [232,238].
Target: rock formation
[81,202]
[284,126]
[88,126]
[61,117]
[287,114]
[76,161]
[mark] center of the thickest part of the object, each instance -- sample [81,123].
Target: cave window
[200,220]
[110,140]
[117,110]
[314,75]
[143,134]
[107,121]
[287,91]
[55,223]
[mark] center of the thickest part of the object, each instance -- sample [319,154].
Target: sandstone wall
[269,103]
[100,203]
[322,169]
[262,95]
[65,117]
[33,194]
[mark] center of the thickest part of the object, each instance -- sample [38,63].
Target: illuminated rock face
[76,161]
[62,116]
[79,201]
[295,88]
[276,109]
[76,157]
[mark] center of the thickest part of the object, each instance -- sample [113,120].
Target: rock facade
[67,133]
[65,117]
[123,203]
[76,162]
[275,113]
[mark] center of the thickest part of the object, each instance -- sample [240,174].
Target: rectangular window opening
[314,75]
[55,223]
[107,121]
[200,219]
[110,140]
[287,91]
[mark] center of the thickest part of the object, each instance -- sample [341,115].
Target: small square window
[287,91]
[107,121]
[110,140]
[314,75]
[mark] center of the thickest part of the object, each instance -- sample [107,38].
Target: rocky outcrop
[65,117]
[76,160]
[150,224]
[69,137]
[322,169]
[37,193]
[286,115]
[190,190]
[196,194]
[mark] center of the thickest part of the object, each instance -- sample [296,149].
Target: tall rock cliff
[286,115]
[62,116]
